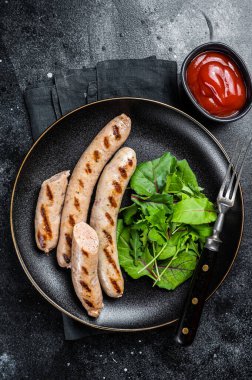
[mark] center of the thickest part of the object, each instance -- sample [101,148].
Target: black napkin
[48,100]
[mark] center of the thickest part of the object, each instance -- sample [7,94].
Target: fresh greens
[150,177]
[161,234]
[194,211]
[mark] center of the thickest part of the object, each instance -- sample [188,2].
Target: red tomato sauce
[216,83]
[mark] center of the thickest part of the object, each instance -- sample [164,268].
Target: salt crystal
[125,370]
[49,75]
[68,364]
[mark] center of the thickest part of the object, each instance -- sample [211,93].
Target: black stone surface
[39,37]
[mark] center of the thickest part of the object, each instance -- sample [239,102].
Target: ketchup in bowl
[216,83]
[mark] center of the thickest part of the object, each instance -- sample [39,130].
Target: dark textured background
[40,37]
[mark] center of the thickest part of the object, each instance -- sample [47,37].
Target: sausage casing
[110,190]
[84,178]
[48,211]
[84,261]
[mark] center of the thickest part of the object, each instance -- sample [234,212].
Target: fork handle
[196,297]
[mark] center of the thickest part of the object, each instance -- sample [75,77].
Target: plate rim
[28,274]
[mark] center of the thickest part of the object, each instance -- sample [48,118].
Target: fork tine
[244,145]
[225,180]
[240,172]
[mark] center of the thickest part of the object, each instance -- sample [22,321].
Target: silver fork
[198,290]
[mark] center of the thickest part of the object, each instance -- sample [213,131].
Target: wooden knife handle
[197,294]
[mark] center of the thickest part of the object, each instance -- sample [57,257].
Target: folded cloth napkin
[47,101]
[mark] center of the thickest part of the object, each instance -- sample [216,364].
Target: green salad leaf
[194,211]
[127,260]
[178,270]
[186,174]
[161,234]
[150,177]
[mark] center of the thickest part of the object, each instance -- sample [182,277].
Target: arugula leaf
[135,245]
[144,237]
[133,269]
[150,177]
[158,218]
[128,213]
[140,225]
[123,237]
[157,236]
[119,229]
[173,245]
[194,211]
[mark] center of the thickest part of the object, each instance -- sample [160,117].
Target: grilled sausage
[84,263]
[48,211]
[84,178]
[110,190]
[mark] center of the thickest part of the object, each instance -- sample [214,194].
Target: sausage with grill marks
[48,211]
[84,262]
[84,178]
[110,190]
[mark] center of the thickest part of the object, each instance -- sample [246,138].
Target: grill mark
[49,193]
[85,286]
[90,304]
[41,239]
[130,162]
[108,236]
[111,260]
[106,142]
[81,183]
[88,169]
[46,222]
[84,269]
[68,240]
[115,285]
[123,172]
[124,118]
[85,253]
[112,201]
[71,220]
[110,219]
[116,132]
[77,203]
[117,186]
[97,155]
[66,258]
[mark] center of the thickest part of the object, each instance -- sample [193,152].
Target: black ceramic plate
[156,128]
